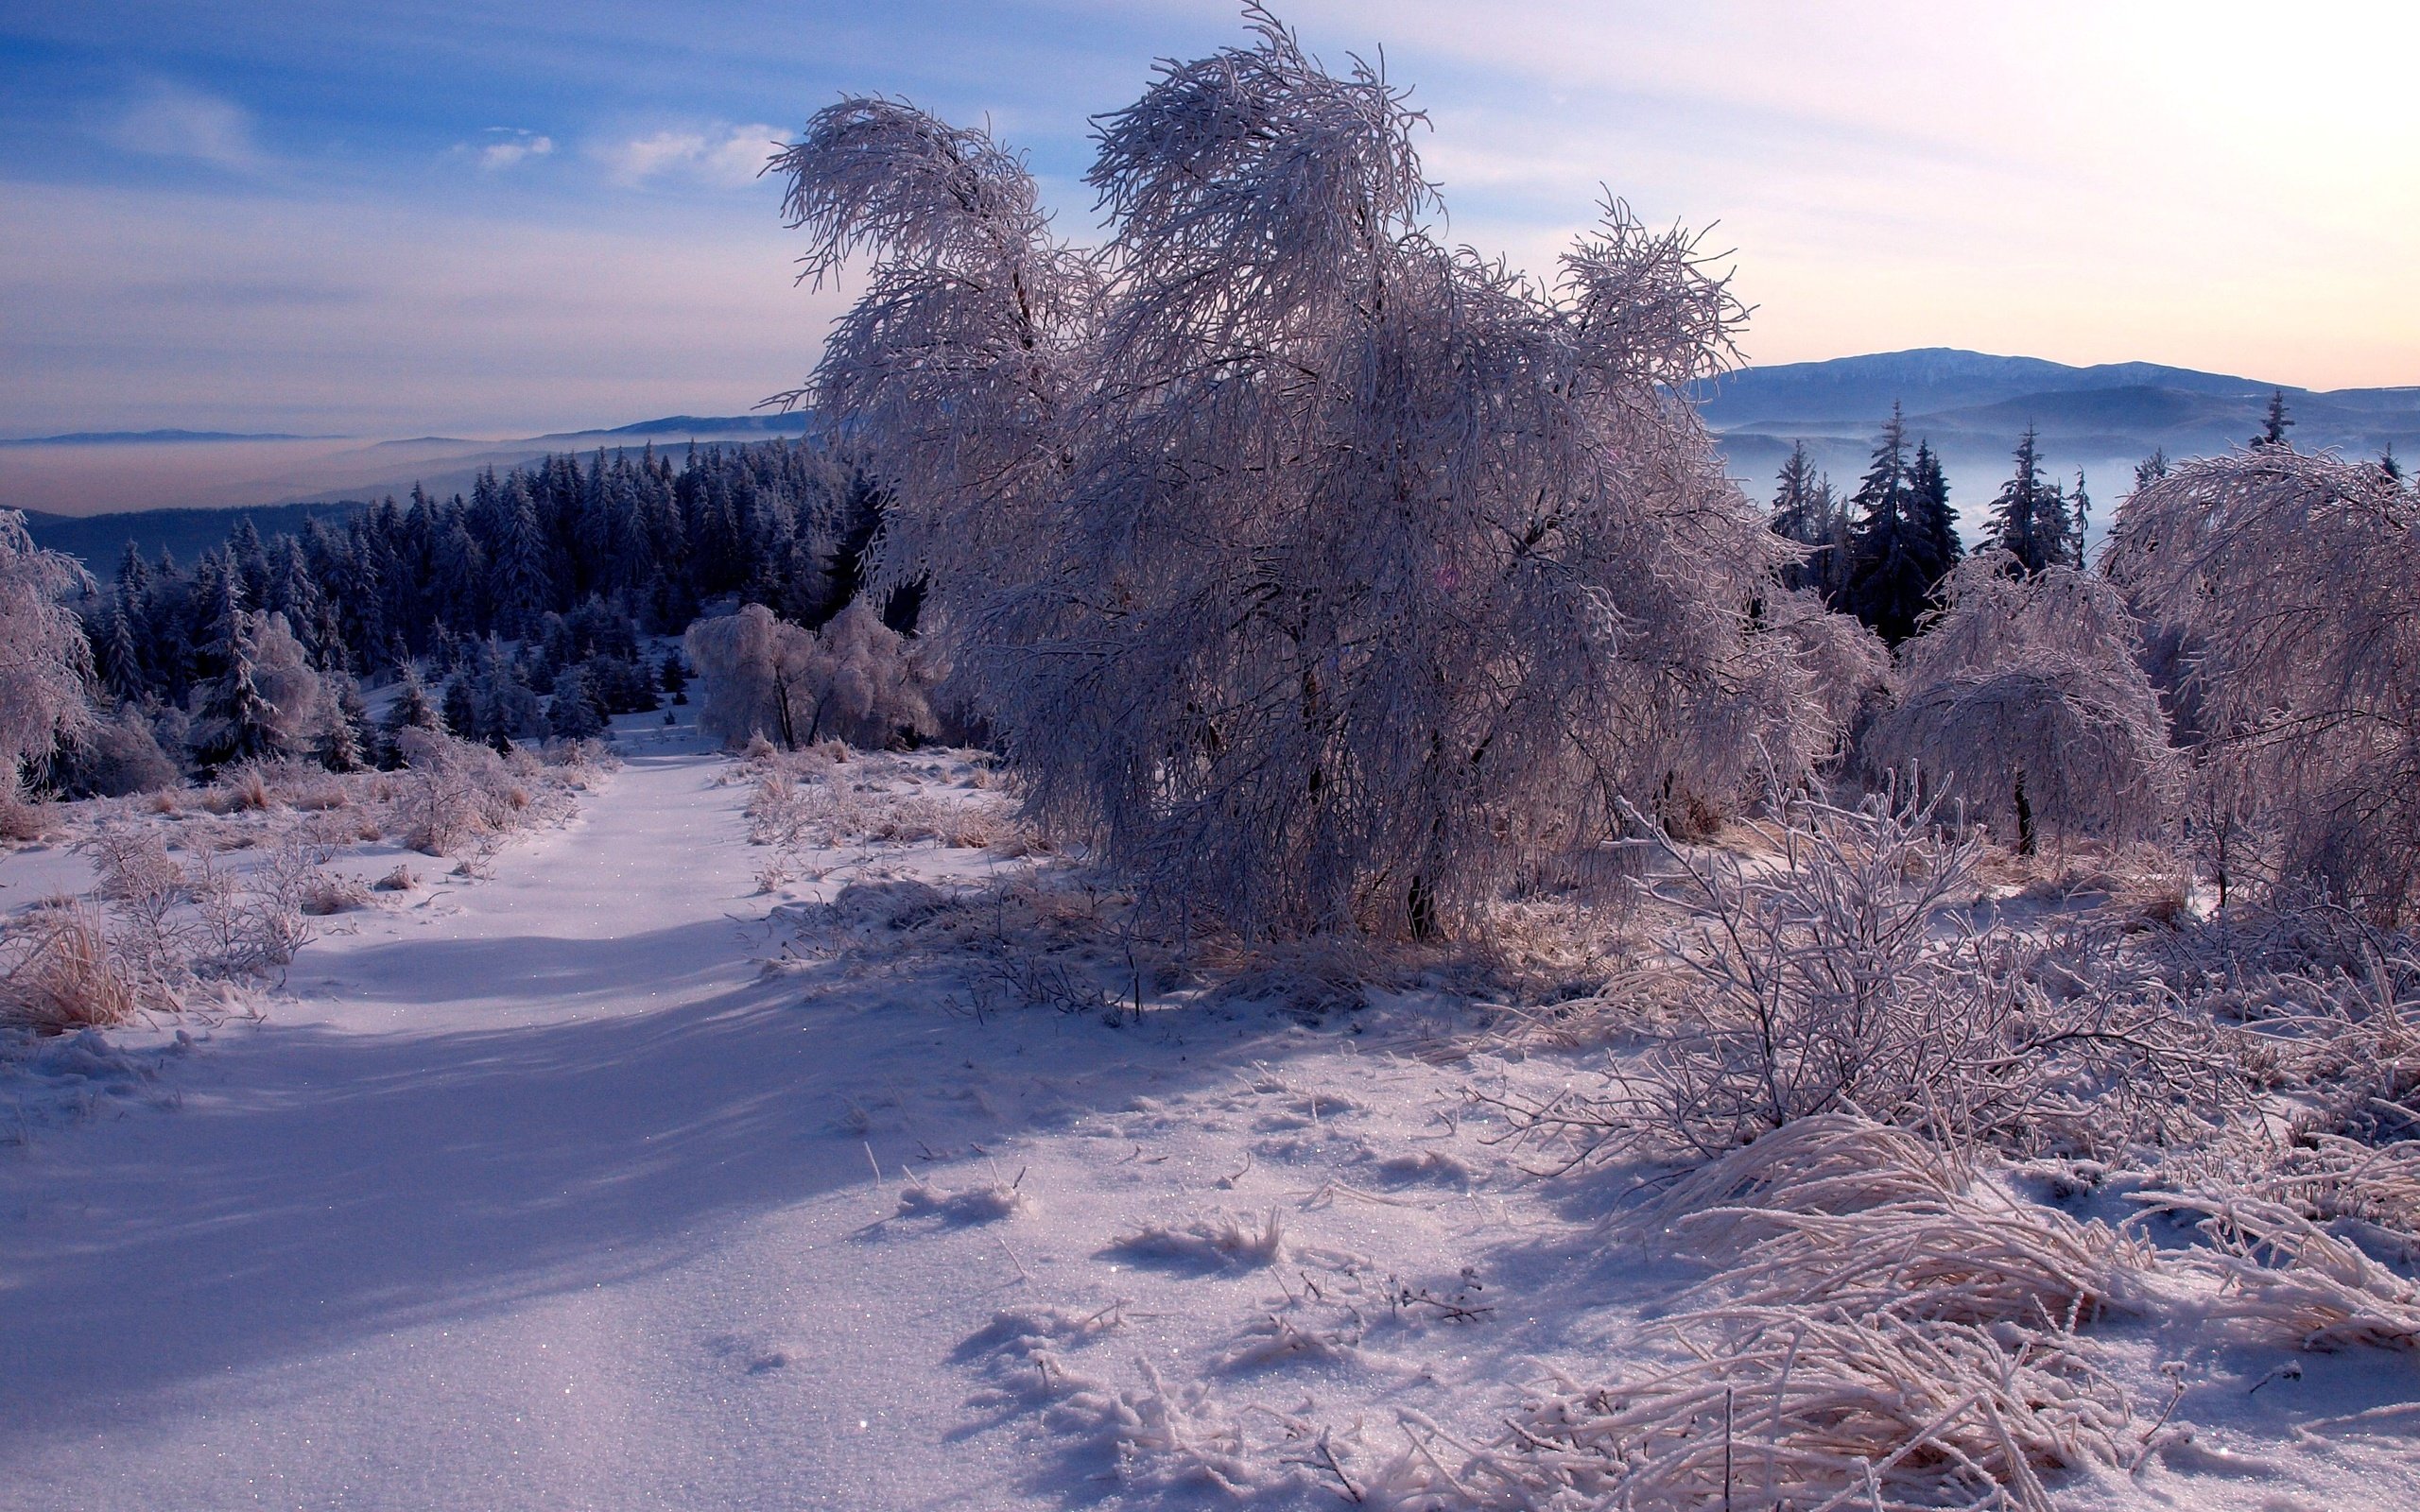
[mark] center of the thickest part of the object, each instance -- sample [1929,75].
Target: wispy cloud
[509,147]
[725,155]
[164,119]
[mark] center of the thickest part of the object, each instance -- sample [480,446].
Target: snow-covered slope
[635,1175]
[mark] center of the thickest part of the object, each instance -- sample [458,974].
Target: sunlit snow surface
[599,1183]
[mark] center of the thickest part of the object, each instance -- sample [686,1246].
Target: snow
[617,1177]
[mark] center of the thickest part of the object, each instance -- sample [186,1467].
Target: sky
[397,219]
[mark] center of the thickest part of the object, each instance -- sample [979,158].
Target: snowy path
[484,1220]
[540,1196]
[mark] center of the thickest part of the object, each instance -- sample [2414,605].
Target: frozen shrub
[1845,975]
[1883,1330]
[1845,665]
[120,755]
[241,789]
[20,820]
[582,760]
[145,888]
[2283,585]
[455,791]
[2023,704]
[858,681]
[252,925]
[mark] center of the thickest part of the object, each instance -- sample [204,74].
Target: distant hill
[99,540]
[154,437]
[1931,379]
[793,424]
[1965,399]
[1971,406]
[95,474]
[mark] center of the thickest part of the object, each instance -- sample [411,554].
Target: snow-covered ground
[633,1174]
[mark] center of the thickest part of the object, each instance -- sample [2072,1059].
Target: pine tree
[411,710]
[2152,469]
[2388,465]
[234,722]
[2273,430]
[1796,514]
[1904,539]
[2076,524]
[461,710]
[573,713]
[122,658]
[504,708]
[339,746]
[250,560]
[2016,513]
[1936,523]
[522,583]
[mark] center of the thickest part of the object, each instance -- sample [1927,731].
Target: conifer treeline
[1882,553]
[777,522]
[572,558]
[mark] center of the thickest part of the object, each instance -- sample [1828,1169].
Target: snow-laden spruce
[1325,575]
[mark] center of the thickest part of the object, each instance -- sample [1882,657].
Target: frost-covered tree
[857,681]
[572,709]
[2023,702]
[867,681]
[1322,575]
[502,707]
[292,688]
[119,754]
[232,720]
[411,709]
[748,663]
[460,708]
[46,663]
[2290,587]
[341,746]
[952,376]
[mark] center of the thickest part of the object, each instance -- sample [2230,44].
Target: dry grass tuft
[21,822]
[60,972]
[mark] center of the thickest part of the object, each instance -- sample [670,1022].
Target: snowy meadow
[1248,879]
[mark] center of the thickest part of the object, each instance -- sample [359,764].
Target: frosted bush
[60,972]
[858,681]
[146,889]
[455,792]
[1880,1327]
[2023,704]
[2284,583]
[1845,974]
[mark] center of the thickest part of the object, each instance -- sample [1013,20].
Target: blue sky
[396,219]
